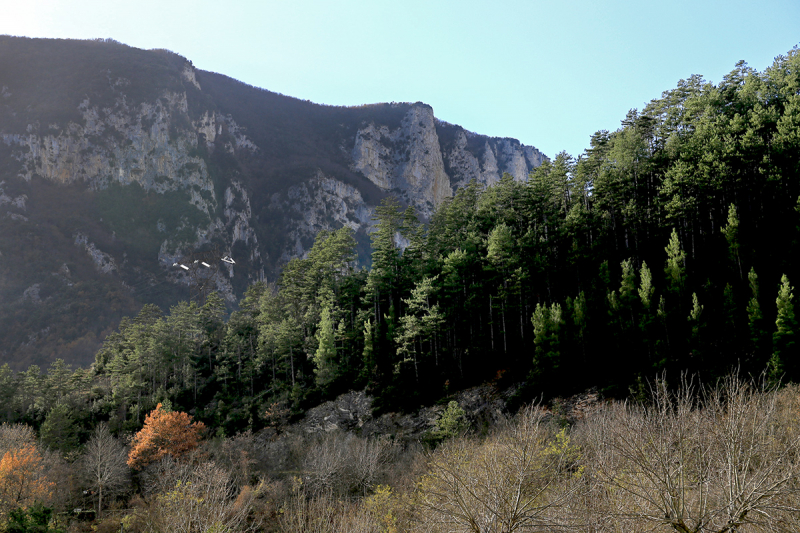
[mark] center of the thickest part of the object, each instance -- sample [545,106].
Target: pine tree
[627,289]
[646,288]
[502,256]
[754,315]
[627,292]
[547,322]
[784,351]
[646,294]
[325,355]
[580,315]
[369,368]
[695,324]
[675,267]
[731,338]
[420,324]
[731,232]
[59,430]
[383,286]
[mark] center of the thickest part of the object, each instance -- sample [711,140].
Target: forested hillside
[669,246]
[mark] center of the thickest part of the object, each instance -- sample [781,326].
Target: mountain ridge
[125,162]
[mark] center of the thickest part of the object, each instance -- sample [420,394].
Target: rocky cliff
[117,163]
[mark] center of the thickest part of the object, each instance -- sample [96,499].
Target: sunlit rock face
[117,163]
[495,157]
[407,160]
[410,160]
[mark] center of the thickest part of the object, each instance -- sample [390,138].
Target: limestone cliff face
[406,161]
[411,161]
[141,144]
[120,143]
[320,203]
[493,158]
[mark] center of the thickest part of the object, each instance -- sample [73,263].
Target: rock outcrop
[483,406]
[407,160]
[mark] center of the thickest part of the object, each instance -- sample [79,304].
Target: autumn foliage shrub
[164,433]
[22,478]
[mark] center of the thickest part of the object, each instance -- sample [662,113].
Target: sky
[549,73]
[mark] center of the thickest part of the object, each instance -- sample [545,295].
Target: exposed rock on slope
[483,406]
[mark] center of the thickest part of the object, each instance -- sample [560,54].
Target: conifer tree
[784,348]
[59,430]
[580,315]
[646,294]
[646,288]
[547,322]
[695,324]
[731,232]
[627,290]
[383,285]
[368,354]
[675,267]
[731,338]
[325,355]
[501,254]
[754,315]
[419,324]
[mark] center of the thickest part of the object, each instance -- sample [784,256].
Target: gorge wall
[117,163]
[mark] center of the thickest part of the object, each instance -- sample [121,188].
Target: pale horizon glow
[547,73]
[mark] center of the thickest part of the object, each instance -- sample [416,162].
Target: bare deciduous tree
[195,499]
[517,480]
[15,436]
[237,455]
[693,462]
[367,458]
[326,514]
[343,463]
[104,462]
[323,466]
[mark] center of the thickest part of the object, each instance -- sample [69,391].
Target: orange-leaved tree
[22,478]
[164,433]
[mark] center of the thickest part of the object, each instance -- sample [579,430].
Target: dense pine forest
[669,246]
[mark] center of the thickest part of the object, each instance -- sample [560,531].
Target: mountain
[118,165]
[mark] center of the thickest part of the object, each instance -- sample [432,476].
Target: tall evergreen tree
[675,267]
[784,347]
[754,315]
[547,322]
[731,232]
[325,355]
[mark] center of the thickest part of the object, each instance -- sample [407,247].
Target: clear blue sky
[547,73]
